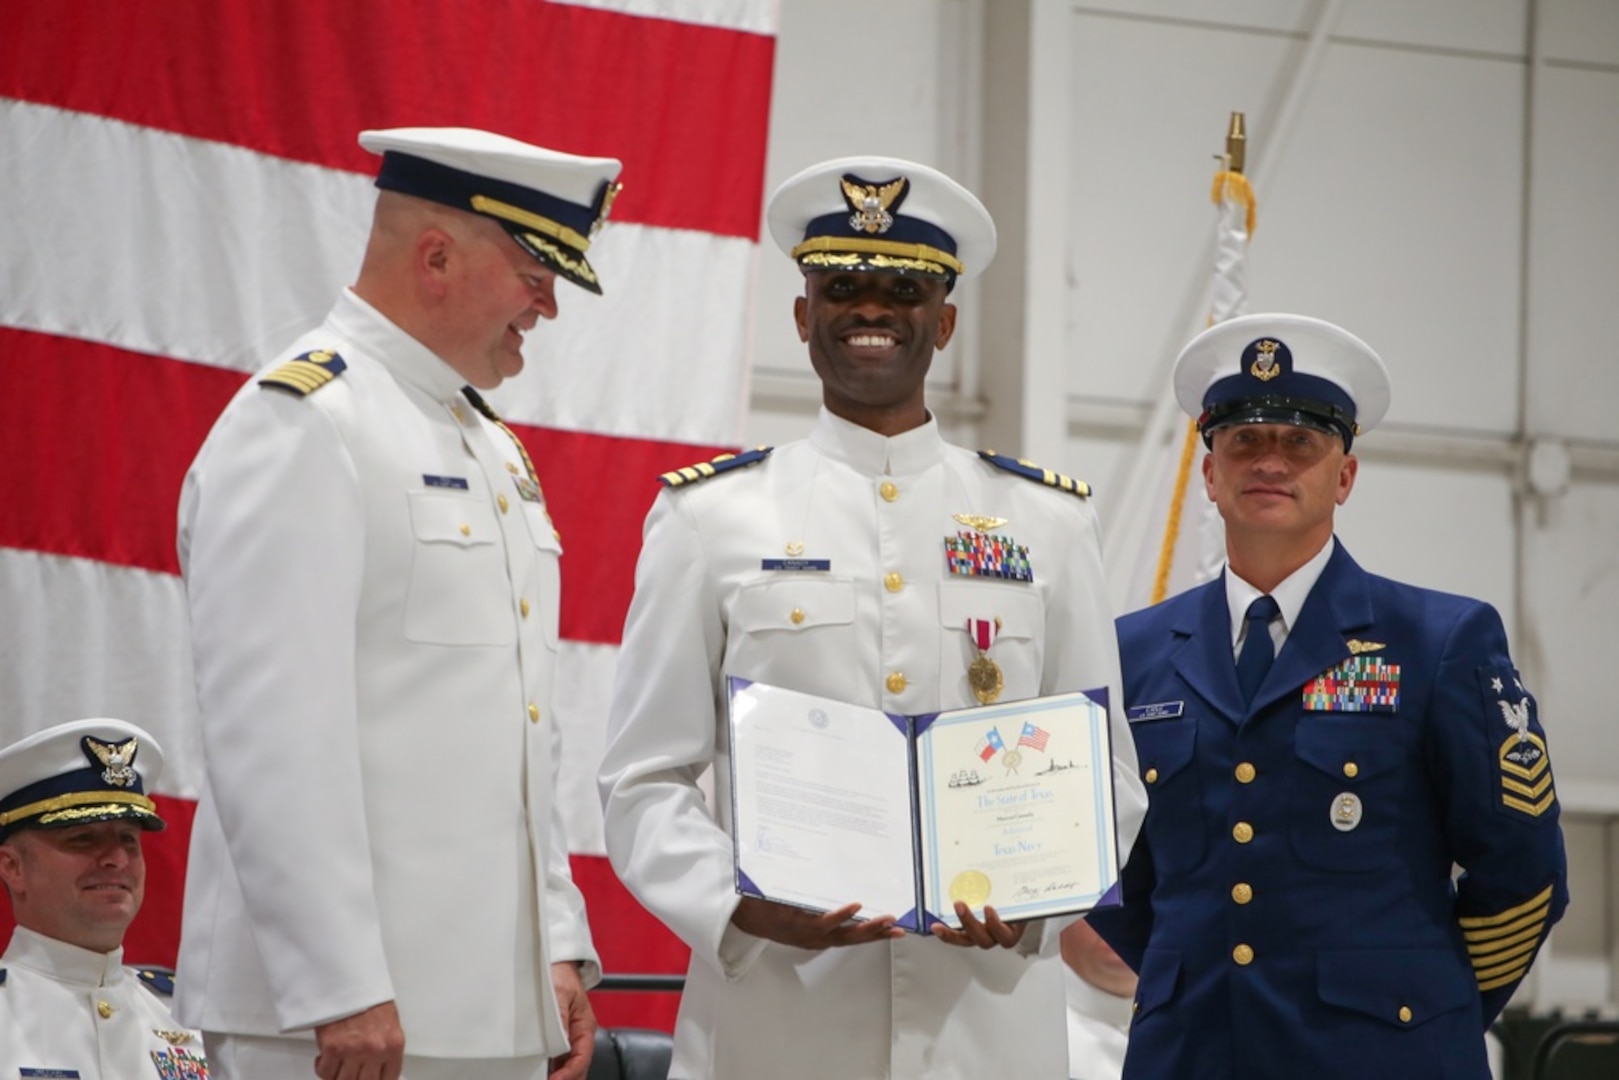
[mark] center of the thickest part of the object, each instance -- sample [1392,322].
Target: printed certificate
[1007,805]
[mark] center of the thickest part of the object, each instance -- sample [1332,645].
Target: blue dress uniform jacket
[67,1011]
[1290,905]
[882,623]
[373,587]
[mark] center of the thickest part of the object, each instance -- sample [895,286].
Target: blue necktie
[1257,648]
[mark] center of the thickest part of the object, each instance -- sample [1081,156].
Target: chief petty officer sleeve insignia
[1034,472]
[704,469]
[305,374]
[1501,946]
[1520,751]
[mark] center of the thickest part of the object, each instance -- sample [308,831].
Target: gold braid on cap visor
[483,204]
[80,804]
[845,251]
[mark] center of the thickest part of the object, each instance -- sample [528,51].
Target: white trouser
[254,1057]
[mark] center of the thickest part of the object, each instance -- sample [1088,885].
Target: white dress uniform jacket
[373,588]
[70,1012]
[1098,1029]
[885,626]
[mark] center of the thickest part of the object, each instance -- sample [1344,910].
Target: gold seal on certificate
[970,887]
[984,676]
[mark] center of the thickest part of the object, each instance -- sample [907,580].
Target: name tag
[820,565]
[457,483]
[1163,710]
[69,1074]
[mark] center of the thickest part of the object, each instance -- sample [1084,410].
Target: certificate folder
[1007,805]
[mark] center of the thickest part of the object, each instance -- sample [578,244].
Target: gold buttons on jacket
[533,713]
[1351,770]
[105,1009]
[1151,776]
[500,501]
[522,606]
[797,616]
[893,582]
[1243,955]
[1242,832]
[466,530]
[896,682]
[1245,772]
[888,491]
[1242,892]
[1405,1014]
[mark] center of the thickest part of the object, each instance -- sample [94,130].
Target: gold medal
[970,887]
[984,676]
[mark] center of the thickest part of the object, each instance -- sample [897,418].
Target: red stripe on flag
[629,940]
[685,107]
[99,453]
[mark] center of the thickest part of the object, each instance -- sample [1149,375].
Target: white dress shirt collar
[61,962]
[865,451]
[1289,595]
[381,338]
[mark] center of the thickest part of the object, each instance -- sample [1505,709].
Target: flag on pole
[185,195]
[1184,541]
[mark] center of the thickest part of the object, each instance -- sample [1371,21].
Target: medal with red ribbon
[984,674]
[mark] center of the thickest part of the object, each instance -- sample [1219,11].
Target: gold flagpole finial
[1236,143]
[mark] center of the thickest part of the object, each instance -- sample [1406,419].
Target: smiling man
[73,805]
[1322,747]
[876,564]
[378,879]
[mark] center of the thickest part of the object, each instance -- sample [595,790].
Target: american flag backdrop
[181,194]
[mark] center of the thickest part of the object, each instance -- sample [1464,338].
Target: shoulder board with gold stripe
[158,979]
[305,374]
[704,469]
[1034,472]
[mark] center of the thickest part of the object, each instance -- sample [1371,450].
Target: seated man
[73,805]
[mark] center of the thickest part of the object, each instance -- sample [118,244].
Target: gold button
[466,530]
[893,582]
[797,616]
[522,605]
[1245,773]
[511,467]
[534,712]
[1242,892]
[1351,770]
[896,682]
[1152,776]
[888,491]
[105,1010]
[1405,1014]
[500,501]
[1243,832]
[456,411]
[1243,955]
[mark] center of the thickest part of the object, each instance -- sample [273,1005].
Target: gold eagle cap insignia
[980,523]
[1357,646]
[872,204]
[117,759]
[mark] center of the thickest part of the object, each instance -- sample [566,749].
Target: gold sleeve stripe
[1518,963]
[1533,809]
[1541,898]
[1483,948]
[1494,933]
[1525,789]
[1504,980]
